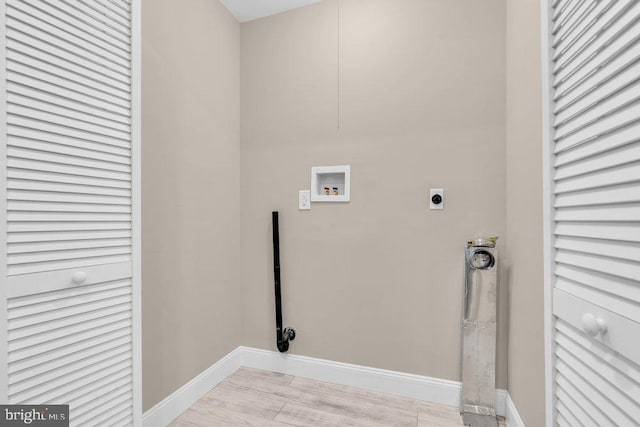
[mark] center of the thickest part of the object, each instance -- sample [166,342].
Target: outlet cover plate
[433,195]
[304,200]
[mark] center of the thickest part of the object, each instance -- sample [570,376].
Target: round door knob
[78,278]
[602,325]
[593,325]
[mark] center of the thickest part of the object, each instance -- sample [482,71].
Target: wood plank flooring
[251,397]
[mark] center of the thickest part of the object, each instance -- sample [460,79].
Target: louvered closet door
[69,198]
[596,211]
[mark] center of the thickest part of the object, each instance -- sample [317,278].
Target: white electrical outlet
[304,200]
[436,199]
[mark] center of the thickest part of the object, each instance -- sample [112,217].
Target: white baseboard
[511,415]
[380,380]
[418,387]
[180,400]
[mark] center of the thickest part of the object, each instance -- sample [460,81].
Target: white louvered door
[594,91]
[70,149]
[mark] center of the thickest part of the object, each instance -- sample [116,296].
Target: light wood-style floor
[251,397]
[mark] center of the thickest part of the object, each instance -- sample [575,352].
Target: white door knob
[602,325]
[593,325]
[78,278]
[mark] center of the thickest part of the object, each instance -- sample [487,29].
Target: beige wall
[190,130]
[524,210]
[419,103]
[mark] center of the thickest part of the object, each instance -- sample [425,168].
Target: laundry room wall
[411,94]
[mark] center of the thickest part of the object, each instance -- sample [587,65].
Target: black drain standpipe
[288,334]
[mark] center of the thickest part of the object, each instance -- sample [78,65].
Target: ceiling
[248,10]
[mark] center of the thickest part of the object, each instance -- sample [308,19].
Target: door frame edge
[136,205]
[4,326]
[547,206]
